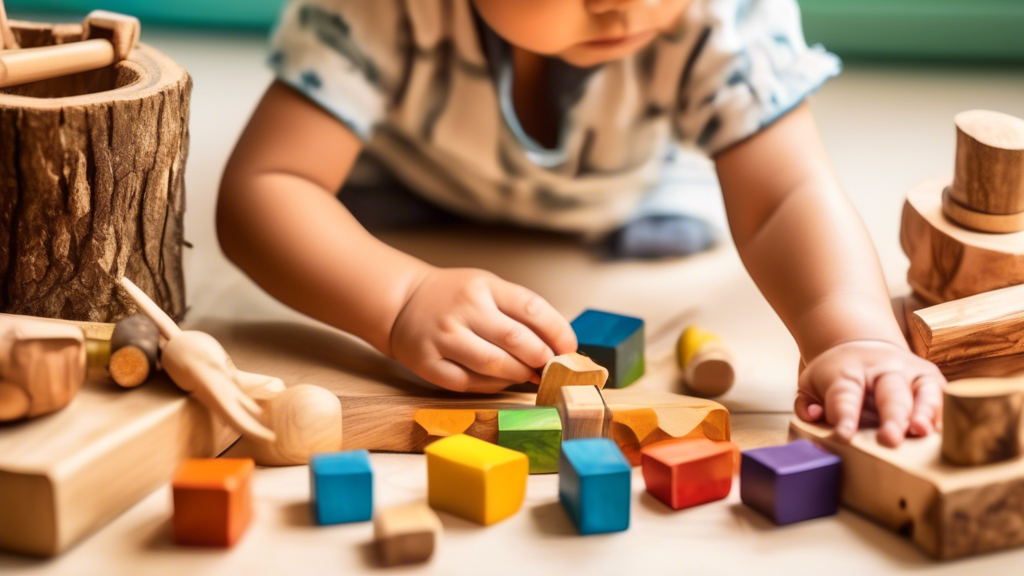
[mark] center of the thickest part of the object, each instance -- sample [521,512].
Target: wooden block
[115,445]
[689,471]
[948,511]
[581,409]
[706,362]
[341,487]
[594,485]
[536,432]
[42,366]
[406,534]
[568,370]
[948,261]
[981,421]
[475,480]
[613,341]
[642,419]
[791,483]
[212,501]
[432,424]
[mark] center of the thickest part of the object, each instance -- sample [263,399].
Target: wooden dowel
[31,64]
[146,305]
[7,41]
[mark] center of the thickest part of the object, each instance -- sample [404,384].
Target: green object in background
[536,432]
[252,14]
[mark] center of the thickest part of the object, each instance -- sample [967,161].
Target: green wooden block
[536,432]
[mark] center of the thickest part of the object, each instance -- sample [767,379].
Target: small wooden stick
[167,326]
[134,350]
[7,41]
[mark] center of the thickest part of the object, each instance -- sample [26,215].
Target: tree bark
[92,185]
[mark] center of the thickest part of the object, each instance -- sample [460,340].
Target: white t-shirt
[427,86]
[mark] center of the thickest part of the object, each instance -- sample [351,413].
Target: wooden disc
[980,221]
[989,163]
[92,185]
[948,261]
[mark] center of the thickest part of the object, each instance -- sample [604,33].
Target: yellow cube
[474,479]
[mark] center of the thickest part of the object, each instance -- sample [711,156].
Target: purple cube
[790,483]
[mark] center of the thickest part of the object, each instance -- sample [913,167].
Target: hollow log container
[92,185]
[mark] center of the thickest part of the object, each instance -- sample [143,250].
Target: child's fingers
[927,412]
[807,409]
[504,332]
[843,403]
[536,313]
[473,352]
[894,402]
[452,376]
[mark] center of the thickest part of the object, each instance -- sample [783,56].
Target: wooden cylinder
[981,420]
[988,188]
[92,185]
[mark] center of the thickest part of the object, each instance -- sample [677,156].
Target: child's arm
[808,251]
[278,219]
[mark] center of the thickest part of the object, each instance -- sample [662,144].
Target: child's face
[581,32]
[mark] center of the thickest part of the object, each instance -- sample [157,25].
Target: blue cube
[594,485]
[790,483]
[341,487]
[613,341]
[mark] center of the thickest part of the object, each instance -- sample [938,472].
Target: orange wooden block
[689,471]
[212,500]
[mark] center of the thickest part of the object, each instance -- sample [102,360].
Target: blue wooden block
[341,487]
[594,485]
[790,483]
[613,341]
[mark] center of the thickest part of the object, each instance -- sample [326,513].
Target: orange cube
[212,500]
[689,471]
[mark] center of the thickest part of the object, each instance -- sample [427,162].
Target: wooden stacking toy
[475,480]
[689,471]
[613,341]
[594,485]
[341,487]
[790,483]
[406,534]
[536,432]
[212,501]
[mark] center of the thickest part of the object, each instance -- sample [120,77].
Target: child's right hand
[468,330]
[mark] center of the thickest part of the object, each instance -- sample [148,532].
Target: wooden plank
[948,511]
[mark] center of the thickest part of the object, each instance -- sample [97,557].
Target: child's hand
[468,330]
[905,390]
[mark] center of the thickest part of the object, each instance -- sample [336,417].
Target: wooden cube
[475,480]
[790,483]
[568,370]
[689,471]
[341,487]
[582,411]
[212,500]
[594,485]
[536,432]
[613,341]
[406,534]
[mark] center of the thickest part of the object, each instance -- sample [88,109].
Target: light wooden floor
[885,127]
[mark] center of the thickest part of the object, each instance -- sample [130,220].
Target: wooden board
[948,511]
[65,475]
[379,398]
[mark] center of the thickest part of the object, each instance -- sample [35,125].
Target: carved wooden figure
[981,421]
[42,366]
[568,370]
[406,534]
[583,413]
[706,362]
[306,420]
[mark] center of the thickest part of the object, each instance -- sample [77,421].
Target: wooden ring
[980,221]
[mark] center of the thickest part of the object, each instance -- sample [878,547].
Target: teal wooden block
[594,485]
[613,341]
[536,432]
[341,487]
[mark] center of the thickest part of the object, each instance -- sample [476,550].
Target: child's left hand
[905,390]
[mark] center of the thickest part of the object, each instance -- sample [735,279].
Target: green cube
[536,432]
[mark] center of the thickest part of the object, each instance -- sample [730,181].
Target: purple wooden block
[790,483]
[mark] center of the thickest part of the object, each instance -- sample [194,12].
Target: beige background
[886,128]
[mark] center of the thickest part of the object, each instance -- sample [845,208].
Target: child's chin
[585,56]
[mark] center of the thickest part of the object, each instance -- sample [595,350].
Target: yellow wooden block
[474,479]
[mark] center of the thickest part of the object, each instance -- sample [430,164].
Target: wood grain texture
[306,420]
[948,261]
[432,424]
[981,421]
[380,398]
[92,185]
[568,370]
[64,476]
[989,163]
[582,411]
[948,511]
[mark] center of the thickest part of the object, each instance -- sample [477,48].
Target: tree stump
[92,185]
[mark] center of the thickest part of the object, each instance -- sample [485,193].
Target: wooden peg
[568,370]
[988,189]
[981,421]
[7,41]
[134,350]
[706,362]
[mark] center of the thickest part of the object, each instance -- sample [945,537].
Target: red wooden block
[212,500]
[689,471]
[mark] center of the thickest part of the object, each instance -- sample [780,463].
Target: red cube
[212,500]
[689,471]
